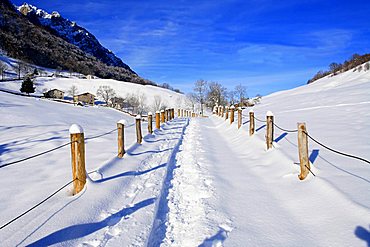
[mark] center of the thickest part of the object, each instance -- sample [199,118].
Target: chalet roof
[87,93]
[55,89]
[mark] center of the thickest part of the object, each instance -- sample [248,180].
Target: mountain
[72,33]
[37,44]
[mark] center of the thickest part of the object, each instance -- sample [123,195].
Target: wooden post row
[227,113]
[269,129]
[239,117]
[232,109]
[162,116]
[303,151]
[121,138]
[157,120]
[78,157]
[150,123]
[251,122]
[139,136]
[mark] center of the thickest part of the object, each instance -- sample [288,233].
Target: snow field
[110,206]
[169,98]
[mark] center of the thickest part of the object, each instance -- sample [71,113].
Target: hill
[39,45]
[72,33]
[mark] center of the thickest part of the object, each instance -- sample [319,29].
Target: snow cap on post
[150,113]
[232,107]
[122,121]
[157,112]
[251,111]
[269,114]
[76,129]
[138,116]
[239,108]
[162,110]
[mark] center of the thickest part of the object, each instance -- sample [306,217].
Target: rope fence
[301,131]
[78,151]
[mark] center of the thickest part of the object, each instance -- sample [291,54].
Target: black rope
[291,131]
[97,136]
[335,151]
[34,156]
[38,204]
[262,121]
[310,170]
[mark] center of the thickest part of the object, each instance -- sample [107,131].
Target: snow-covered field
[196,182]
[123,89]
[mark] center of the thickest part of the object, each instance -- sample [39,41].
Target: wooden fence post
[239,117]
[178,112]
[222,111]
[269,129]
[227,113]
[121,138]
[78,157]
[251,122]
[139,136]
[182,112]
[157,120]
[150,123]
[232,109]
[303,151]
[173,113]
[162,116]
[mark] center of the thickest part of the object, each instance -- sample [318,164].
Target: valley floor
[198,182]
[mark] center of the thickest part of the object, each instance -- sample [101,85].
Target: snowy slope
[228,190]
[119,188]
[122,89]
[201,182]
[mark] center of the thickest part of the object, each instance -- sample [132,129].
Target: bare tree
[200,91]
[232,97]
[241,93]
[367,66]
[142,103]
[157,103]
[216,94]
[191,99]
[3,67]
[72,91]
[106,92]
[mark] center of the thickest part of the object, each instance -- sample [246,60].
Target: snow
[76,129]
[123,122]
[194,182]
[122,89]
[269,114]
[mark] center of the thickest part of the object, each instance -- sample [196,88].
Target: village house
[84,98]
[54,94]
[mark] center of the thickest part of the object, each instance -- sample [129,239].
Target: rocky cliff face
[72,33]
[24,37]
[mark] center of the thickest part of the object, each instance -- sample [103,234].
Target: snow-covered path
[228,189]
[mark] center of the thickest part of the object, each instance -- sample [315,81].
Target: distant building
[84,98]
[54,94]
[117,102]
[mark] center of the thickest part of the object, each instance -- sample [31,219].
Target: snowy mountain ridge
[71,32]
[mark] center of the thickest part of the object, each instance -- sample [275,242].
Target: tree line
[209,94]
[354,62]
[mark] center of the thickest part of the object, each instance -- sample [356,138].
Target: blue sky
[264,45]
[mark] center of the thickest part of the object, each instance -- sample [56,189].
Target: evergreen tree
[27,86]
